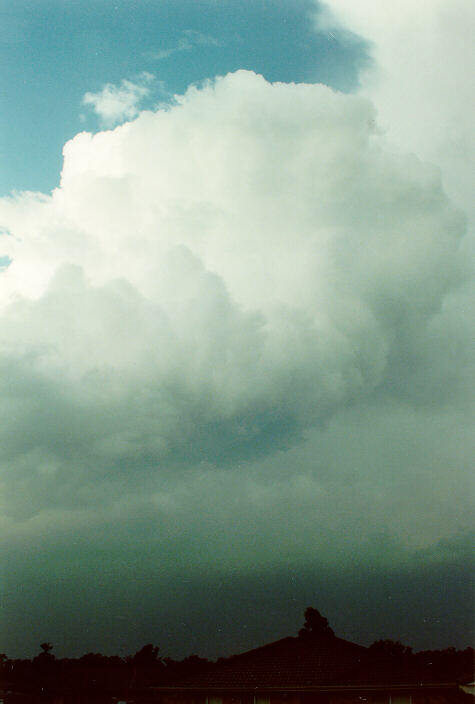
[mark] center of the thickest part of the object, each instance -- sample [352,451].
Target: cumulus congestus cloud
[209,282]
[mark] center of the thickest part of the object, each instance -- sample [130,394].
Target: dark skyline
[428,610]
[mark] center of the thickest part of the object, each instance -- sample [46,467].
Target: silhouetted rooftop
[304,664]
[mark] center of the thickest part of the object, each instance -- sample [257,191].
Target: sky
[236,323]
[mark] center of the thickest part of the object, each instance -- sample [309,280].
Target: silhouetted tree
[147,666]
[191,665]
[45,677]
[147,656]
[46,653]
[5,666]
[316,625]
[390,648]
[446,664]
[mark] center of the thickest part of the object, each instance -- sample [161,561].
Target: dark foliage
[390,648]
[315,626]
[99,678]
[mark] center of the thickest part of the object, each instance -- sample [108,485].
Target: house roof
[308,663]
[292,660]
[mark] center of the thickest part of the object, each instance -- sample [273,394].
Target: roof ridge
[332,641]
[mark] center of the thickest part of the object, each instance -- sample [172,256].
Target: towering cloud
[210,280]
[241,295]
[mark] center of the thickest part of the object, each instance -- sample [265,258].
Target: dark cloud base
[211,614]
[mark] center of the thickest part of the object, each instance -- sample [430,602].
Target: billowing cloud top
[212,279]
[207,305]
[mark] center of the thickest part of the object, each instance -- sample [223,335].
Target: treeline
[94,672]
[449,665]
[104,674]
[101,675]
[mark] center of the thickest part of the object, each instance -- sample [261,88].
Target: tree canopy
[316,625]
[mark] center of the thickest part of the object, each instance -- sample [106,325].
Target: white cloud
[421,79]
[420,82]
[212,283]
[114,104]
